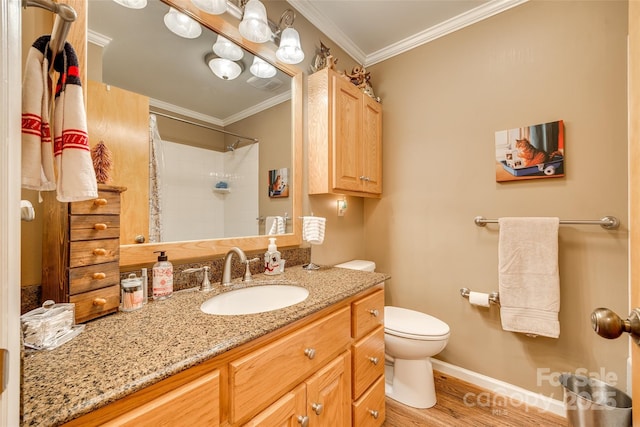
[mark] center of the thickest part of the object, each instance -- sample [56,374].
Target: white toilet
[411,338]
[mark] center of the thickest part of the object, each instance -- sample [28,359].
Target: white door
[10,101]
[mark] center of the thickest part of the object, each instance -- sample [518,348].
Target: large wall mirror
[217,189]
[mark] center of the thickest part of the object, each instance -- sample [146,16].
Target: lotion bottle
[272,258]
[162,277]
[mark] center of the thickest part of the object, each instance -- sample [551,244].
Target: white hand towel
[313,229]
[274,225]
[529,279]
[37,151]
[76,176]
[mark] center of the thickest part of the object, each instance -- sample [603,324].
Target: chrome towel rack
[607,222]
[494,297]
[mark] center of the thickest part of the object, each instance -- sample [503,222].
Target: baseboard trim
[500,387]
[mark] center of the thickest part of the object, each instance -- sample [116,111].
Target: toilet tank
[359,264]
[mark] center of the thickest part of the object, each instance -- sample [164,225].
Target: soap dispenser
[162,277]
[272,258]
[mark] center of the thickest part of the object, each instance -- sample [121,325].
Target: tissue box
[49,326]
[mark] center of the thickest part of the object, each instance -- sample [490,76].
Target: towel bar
[494,297]
[608,222]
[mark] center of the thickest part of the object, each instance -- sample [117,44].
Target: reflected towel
[313,229]
[529,280]
[274,225]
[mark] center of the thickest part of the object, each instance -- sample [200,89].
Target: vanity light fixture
[222,67]
[254,26]
[225,48]
[214,7]
[132,4]
[261,68]
[289,51]
[181,24]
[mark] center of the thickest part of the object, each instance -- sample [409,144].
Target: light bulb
[181,24]
[254,26]
[262,69]
[290,51]
[224,48]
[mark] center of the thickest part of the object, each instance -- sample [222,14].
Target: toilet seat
[411,324]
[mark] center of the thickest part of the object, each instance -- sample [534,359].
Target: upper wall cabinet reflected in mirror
[210,185]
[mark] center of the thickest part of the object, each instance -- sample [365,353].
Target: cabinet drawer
[93,252]
[369,410]
[367,314]
[194,404]
[96,303]
[262,376]
[90,227]
[107,202]
[83,279]
[368,361]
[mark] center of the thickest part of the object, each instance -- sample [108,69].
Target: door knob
[609,325]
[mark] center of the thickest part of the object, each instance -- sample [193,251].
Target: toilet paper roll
[479,298]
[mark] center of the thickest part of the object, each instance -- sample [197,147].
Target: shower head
[234,146]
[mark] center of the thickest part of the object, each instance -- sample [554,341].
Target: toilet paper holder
[494,297]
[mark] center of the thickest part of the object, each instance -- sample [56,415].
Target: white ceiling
[142,56]
[374,30]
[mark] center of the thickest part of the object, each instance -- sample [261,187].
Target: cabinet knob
[374,413]
[99,301]
[374,312]
[99,226]
[373,360]
[99,251]
[139,238]
[303,420]
[100,202]
[317,408]
[99,276]
[310,353]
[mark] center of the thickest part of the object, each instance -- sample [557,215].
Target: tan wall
[539,62]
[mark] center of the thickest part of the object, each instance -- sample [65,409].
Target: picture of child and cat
[530,152]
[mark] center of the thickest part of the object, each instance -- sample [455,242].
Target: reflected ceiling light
[225,48]
[254,26]
[222,67]
[262,69]
[181,24]
[290,51]
[214,7]
[132,4]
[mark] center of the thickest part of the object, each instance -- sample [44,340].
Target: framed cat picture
[530,152]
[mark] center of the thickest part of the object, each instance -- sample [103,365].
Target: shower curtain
[155,159]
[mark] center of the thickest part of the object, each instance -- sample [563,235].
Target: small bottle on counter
[131,293]
[162,273]
[272,258]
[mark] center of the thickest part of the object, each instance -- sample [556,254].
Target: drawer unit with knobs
[80,254]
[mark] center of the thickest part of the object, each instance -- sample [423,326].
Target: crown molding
[185,112]
[449,26]
[97,38]
[313,15]
[264,105]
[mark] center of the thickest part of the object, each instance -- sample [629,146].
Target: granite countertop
[122,353]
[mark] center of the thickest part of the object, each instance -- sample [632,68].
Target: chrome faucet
[206,284]
[226,267]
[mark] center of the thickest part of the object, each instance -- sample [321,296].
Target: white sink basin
[256,299]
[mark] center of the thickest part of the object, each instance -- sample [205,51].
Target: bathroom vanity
[319,362]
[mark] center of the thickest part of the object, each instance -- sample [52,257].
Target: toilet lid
[409,322]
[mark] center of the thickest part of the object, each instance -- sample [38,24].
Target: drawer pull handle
[99,251]
[374,414]
[99,301]
[99,226]
[310,353]
[100,202]
[373,360]
[99,276]
[303,420]
[374,312]
[317,408]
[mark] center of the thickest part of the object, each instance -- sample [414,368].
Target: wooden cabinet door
[289,411]
[347,135]
[329,394]
[371,146]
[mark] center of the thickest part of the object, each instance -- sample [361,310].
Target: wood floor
[454,410]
